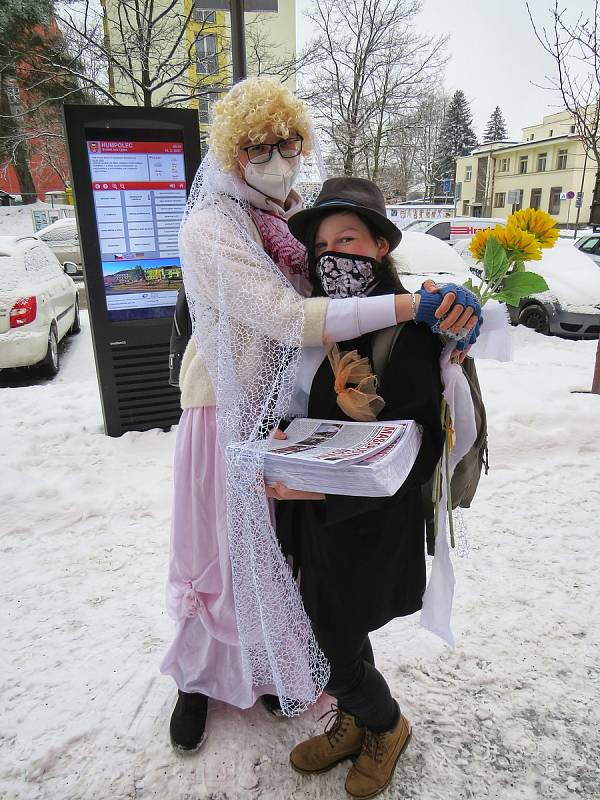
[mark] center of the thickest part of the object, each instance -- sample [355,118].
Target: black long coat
[361,560]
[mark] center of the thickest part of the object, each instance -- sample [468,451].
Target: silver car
[590,245]
[571,306]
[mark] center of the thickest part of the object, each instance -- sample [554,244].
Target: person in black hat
[363,199]
[361,560]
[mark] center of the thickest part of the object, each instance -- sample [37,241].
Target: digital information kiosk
[132,169]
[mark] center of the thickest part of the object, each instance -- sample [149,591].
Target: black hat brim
[302,223]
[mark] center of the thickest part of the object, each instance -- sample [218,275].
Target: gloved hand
[430,302]
[471,337]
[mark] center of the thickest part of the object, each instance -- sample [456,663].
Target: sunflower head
[520,245]
[538,223]
[479,242]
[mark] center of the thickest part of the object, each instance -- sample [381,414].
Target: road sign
[570,195]
[563,195]
[447,185]
[578,199]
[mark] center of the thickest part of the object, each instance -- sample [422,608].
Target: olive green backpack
[468,471]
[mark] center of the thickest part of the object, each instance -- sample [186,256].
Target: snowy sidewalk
[511,713]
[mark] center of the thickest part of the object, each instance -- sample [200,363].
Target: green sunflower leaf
[525,283]
[495,260]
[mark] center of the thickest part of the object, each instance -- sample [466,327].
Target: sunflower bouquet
[505,249]
[503,252]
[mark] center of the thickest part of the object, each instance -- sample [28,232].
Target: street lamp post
[238,40]
[580,195]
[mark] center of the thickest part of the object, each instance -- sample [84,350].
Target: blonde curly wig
[251,110]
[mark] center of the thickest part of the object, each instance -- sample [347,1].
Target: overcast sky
[495,58]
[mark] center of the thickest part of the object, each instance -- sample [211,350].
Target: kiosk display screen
[139,192]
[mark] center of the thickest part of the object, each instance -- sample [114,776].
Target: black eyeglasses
[261,153]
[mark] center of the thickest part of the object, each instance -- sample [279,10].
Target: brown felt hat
[359,195]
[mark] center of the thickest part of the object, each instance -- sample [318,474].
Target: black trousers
[359,688]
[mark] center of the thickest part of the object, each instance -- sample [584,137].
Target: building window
[572,129]
[519,205]
[541,162]
[203,109]
[561,162]
[468,173]
[465,210]
[535,200]
[499,199]
[554,204]
[504,165]
[551,131]
[523,164]
[206,54]
[205,103]
[204,15]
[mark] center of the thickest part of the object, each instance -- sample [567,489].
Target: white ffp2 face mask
[275,178]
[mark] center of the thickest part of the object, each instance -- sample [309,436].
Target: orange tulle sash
[360,400]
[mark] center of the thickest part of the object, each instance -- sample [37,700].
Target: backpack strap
[382,344]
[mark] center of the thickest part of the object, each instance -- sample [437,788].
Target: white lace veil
[248,327]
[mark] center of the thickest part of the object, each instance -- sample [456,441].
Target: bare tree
[574,45]
[416,152]
[29,113]
[370,72]
[140,52]
[124,52]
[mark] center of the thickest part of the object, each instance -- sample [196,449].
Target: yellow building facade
[270,37]
[539,172]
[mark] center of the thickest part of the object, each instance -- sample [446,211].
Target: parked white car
[62,238]
[38,304]
[571,306]
[453,229]
[420,257]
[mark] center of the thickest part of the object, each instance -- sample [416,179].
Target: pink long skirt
[205,655]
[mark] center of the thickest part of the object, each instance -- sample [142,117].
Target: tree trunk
[596,378]
[21,164]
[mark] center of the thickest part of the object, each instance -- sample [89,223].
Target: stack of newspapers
[365,459]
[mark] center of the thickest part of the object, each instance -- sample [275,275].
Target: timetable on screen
[139,195]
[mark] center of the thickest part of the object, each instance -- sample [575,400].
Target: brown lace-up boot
[373,770]
[342,739]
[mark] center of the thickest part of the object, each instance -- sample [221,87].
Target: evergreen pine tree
[456,136]
[496,128]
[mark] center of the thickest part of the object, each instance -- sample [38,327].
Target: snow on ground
[511,713]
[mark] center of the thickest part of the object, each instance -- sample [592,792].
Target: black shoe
[272,704]
[188,722]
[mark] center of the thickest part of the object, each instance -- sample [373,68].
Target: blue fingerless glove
[471,338]
[464,297]
[430,302]
[428,305]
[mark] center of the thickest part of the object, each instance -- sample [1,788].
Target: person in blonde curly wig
[249,112]
[248,289]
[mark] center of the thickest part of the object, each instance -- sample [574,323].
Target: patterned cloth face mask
[346,275]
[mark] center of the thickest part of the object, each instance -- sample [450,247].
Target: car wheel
[536,318]
[76,326]
[49,365]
